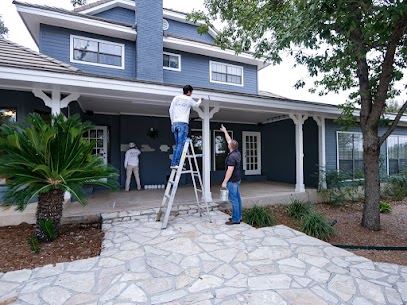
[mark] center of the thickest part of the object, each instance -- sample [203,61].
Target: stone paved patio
[196,262]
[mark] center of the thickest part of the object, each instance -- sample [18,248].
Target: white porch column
[206,114]
[299,120]
[321,150]
[54,102]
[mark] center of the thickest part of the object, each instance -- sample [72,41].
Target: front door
[251,152]
[99,135]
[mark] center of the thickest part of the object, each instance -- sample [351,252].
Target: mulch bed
[80,241]
[77,241]
[393,231]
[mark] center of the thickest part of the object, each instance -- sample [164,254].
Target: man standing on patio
[232,178]
[179,113]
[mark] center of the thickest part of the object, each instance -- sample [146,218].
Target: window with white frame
[171,61]
[350,154]
[397,154]
[226,74]
[220,149]
[97,52]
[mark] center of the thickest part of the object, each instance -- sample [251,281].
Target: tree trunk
[371,157]
[50,207]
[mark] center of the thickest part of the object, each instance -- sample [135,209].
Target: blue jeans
[235,200]
[180,131]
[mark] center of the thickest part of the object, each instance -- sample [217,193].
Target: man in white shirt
[131,164]
[179,113]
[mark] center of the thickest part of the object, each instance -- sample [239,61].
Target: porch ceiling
[160,104]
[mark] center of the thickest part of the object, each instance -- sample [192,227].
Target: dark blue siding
[55,42]
[311,152]
[119,14]
[187,30]
[279,151]
[195,71]
[149,46]
[24,102]
[331,129]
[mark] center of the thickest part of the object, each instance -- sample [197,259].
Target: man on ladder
[184,151]
[179,113]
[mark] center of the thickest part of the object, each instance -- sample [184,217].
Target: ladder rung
[198,190]
[196,156]
[171,181]
[167,196]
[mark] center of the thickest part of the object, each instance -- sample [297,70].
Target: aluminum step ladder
[172,185]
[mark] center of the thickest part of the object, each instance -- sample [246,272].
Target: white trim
[60,19]
[211,50]
[131,5]
[109,5]
[71,47]
[258,135]
[214,146]
[227,65]
[179,62]
[26,79]
[337,147]
[387,150]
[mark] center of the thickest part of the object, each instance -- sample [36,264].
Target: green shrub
[34,244]
[342,187]
[258,217]
[316,225]
[396,186]
[48,228]
[299,209]
[385,207]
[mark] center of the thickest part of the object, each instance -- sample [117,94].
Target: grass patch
[258,216]
[299,209]
[316,225]
[385,207]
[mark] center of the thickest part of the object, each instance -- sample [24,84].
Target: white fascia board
[33,17]
[212,51]
[81,83]
[131,5]
[107,6]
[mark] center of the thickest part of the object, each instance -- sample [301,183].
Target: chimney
[149,42]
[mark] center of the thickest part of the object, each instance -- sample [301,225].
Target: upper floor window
[171,61]
[350,154]
[397,154]
[226,74]
[97,52]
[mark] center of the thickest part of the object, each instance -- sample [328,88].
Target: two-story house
[118,63]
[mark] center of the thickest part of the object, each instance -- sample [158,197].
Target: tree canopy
[78,2]
[3,28]
[357,45]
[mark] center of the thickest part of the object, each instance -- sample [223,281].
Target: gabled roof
[103,5]
[72,13]
[33,15]
[17,56]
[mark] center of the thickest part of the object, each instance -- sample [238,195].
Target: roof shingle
[17,56]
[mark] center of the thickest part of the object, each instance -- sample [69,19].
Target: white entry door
[251,152]
[99,135]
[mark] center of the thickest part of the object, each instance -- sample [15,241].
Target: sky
[276,79]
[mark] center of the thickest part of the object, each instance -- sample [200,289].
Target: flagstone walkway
[196,262]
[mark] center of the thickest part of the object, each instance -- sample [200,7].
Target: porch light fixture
[152,133]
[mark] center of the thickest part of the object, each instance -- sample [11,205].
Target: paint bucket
[224,194]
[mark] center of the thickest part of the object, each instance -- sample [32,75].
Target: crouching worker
[232,178]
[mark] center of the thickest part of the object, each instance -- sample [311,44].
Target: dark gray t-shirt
[233,159]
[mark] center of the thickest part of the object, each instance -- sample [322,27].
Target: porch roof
[24,69]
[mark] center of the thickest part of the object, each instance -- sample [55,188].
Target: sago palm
[47,160]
